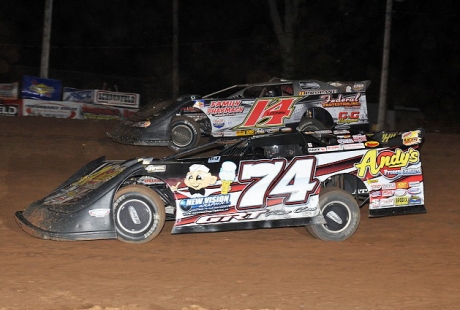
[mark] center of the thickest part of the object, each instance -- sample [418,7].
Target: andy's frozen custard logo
[389,163]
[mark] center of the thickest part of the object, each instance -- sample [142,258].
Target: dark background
[129,44]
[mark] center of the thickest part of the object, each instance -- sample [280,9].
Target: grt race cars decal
[269,112]
[274,189]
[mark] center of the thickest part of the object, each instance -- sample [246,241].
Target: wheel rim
[182,135]
[134,216]
[337,216]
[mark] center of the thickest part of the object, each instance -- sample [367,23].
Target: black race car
[245,110]
[280,180]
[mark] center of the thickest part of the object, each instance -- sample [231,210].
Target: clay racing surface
[404,262]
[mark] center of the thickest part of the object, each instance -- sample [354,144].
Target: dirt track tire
[185,134]
[341,212]
[310,124]
[139,214]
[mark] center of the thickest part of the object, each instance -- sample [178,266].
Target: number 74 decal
[269,112]
[269,179]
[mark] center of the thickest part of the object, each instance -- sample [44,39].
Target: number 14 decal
[269,179]
[269,112]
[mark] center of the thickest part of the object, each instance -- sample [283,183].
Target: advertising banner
[8,90]
[10,107]
[78,95]
[92,111]
[102,97]
[46,108]
[105,97]
[40,88]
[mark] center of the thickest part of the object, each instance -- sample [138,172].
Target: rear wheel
[185,134]
[341,212]
[310,124]
[139,214]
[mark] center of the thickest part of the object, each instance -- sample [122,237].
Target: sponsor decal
[387,136]
[415,200]
[411,137]
[346,117]
[249,132]
[388,163]
[358,87]
[375,194]
[371,144]
[146,180]
[375,204]
[359,138]
[341,101]
[387,193]
[99,212]
[223,108]
[317,92]
[333,148]
[414,184]
[353,146]
[338,132]
[317,149]
[402,185]
[400,201]
[214,159]
[155,168]
[219,123]
[345,141]
[414,190]
[76,190]
[389,186]
[213,203]
[400,192]
[387,202]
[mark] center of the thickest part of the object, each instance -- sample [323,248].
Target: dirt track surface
[403,262]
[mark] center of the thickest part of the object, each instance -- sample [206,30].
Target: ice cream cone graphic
[227,175]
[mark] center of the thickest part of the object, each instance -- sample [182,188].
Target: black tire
[185,134]
[341,212]
[139,214]
[310,124]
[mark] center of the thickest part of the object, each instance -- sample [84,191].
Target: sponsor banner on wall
[93,111]
[46,108]
[10,107]
[40,88]
[8,90]
[102,97]
[78,95]
[127,100]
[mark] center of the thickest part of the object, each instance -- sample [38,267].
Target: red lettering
[269,112]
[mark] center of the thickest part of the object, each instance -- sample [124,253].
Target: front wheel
[341,212]
[185,134]
[139,214]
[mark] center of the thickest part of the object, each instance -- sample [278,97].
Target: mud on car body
[266,181]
